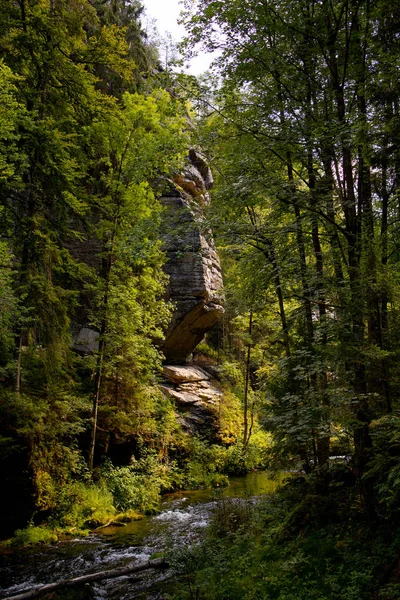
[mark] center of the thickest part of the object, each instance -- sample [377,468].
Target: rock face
[197,397]
[195,285]
[86,341]
[195,280]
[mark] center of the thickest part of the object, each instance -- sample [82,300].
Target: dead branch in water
[158,563]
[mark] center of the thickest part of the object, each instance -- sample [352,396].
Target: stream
[180,523]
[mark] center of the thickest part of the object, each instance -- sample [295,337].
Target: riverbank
[255,483]
[39,535]
[295,545]
[250,541]
[125,493]
[180,523]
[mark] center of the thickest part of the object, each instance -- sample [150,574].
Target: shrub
[206,465]
[231,516]
[34,535]
[133,491]
[239,461]
[81,506]
[137,486]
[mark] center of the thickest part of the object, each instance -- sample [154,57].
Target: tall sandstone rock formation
[195,284]
[195,280]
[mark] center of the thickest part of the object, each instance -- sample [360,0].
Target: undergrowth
[294,545]
[126,492]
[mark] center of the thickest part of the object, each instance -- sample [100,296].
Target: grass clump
[80,507]
[83,506]
[33,535]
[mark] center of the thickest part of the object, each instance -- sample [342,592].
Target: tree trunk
[269,252]
[303,262]
[100,361]
[246,435]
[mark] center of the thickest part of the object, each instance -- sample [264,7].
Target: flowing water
[180,523]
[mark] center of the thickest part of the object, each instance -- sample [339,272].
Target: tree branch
[159,563]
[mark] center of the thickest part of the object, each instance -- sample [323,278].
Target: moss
[129,516]
[157,555]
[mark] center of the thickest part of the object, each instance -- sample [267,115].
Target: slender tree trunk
[353,225]
[384,295]
[302,256]
[96,400]
[327,187]
[246,436]
[321,381]
[100,361]
[269,252]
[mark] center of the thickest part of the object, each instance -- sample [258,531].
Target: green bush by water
[80,505]
[132,488]
[83,506]
[32,535]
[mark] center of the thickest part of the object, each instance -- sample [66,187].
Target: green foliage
[79,506]
[83,157]
[34,535]
[10,310]
[256,551]
[82,506]
[305,140]
[138,485]
[126,304]
[205,465]
[205,349]
[142,53]
[140,412]
[229,416]
[232,517]
[208,465]
[384,469]
[302,130]
[243,460]
[11,114]
[46,427]
[232,372]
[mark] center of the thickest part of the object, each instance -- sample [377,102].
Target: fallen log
[158,563]
[112,522]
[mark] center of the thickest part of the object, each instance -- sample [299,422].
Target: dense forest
[299,121]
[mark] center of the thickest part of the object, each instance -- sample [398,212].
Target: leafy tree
[77,163]
[131,147]
[142,53]
[48,49]
[292,129]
